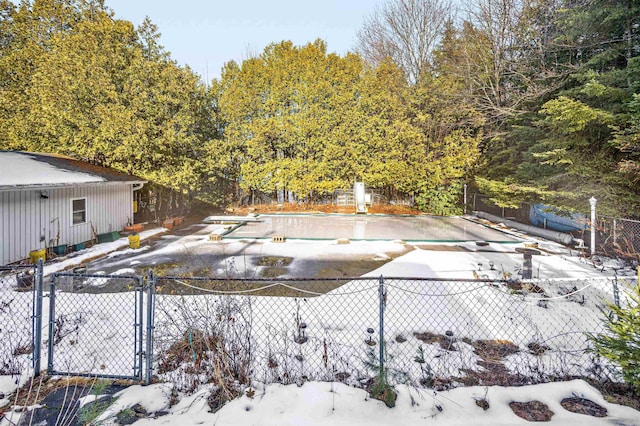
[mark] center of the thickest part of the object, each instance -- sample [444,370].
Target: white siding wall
[25,217]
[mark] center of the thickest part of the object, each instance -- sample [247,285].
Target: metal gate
[96,325]
[20,318]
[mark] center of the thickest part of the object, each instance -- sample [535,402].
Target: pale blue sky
[206,34]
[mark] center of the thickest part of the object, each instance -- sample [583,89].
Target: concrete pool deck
[370,227]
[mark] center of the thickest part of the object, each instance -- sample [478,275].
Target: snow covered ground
[336,404]
[338,321]
[119,246]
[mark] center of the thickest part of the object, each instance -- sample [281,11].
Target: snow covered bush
[208,341]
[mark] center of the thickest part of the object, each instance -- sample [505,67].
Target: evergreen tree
[82,83]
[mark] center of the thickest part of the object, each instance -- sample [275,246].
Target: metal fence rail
[193,330]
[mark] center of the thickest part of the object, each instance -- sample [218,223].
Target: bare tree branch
[406,31]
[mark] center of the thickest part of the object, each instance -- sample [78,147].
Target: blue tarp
[550,217]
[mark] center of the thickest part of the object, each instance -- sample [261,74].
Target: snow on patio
[119,247]
[336,325]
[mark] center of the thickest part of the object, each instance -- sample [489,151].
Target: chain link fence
[346,197]
[425,332]
[296,330]
[437,333]
[498,332]
[480,202]
[618,237]
[18,293]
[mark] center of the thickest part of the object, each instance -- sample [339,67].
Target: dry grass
[618,393]
[533,411]
[538,348]
[491,353]
[319,208]
[445,342]
[193,348]
[36,389]
[494,350]
[23,349]
[583,406]
[526,287]
[203,358]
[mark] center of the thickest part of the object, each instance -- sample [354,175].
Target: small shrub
[380,388]
[383,391]
[372,363]
[126,417]
[88,413]
[91,411]
[99,386]
[621,343]
[425,368]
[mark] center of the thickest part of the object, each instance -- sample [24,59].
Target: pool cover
[370,227]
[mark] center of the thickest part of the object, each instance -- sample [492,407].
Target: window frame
[73,212]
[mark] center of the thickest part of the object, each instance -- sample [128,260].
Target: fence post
[52,321]
[616,294]
[140,323]
[527,266]
[465,198]
[382,298]
[592,202]
[151,289]
[37,319]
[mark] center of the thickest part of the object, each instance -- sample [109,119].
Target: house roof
[22,170]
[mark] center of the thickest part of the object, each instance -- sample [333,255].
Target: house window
[78,210]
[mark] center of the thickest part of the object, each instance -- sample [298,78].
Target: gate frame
[36,307]
[137,327]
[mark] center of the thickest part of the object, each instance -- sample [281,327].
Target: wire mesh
[497,333]
[436,332]
[430,332]
[481,202]
[297,330]
[618,237]
[621,237]
[17,301]
[94,324]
